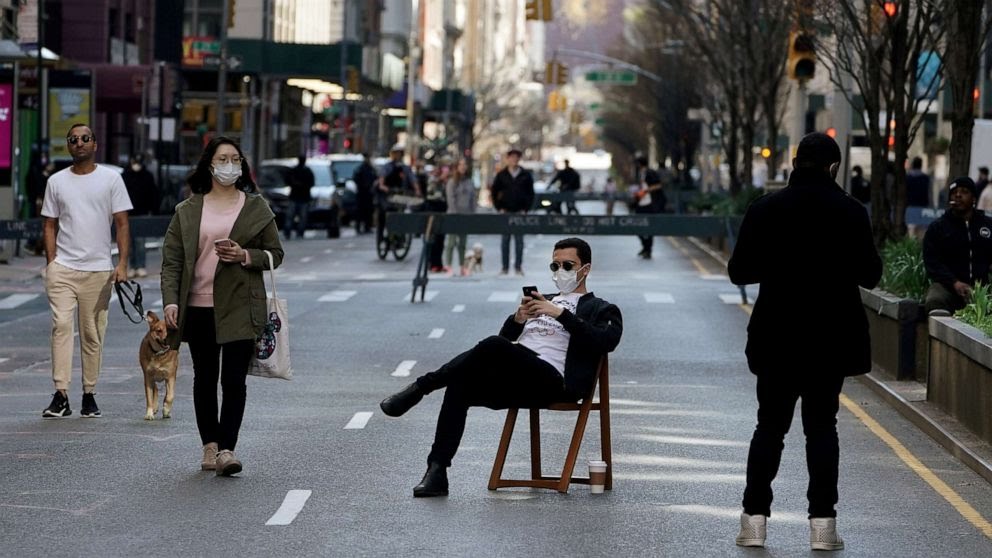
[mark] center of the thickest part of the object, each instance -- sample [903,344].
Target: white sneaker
[753,528]
[823,534]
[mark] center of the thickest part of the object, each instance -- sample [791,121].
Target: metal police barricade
[430,224]
[151,226]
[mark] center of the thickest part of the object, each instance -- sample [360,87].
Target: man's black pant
[647,242]
[777,396]
[496,373]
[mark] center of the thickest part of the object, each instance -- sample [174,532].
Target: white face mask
[566,281]
[226,174]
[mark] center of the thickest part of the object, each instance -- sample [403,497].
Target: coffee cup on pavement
[597,476]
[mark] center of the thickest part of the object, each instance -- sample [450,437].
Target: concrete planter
[899,340]
[960,380]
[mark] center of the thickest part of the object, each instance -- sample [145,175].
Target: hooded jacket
[810,247]
[958,250]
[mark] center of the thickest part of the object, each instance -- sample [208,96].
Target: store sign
[66,106]
[200,52]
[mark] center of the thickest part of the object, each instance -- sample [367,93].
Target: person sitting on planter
[957,250]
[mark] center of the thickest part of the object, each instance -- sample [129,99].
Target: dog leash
[131,291]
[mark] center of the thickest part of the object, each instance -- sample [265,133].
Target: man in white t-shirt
[547,351]
[81,201]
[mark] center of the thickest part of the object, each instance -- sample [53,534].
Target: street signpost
[612,77]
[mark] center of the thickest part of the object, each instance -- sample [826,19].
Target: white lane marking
[370,276]
[302,277]
[291,506]
[429,296]
[404,368]
[458,308]
[734,298]
[328,250]
[714,277]
[659,298]
[436,333]
[505,296]
[358,421]
[337,296]
[3,359]
[15,300]
[306,259]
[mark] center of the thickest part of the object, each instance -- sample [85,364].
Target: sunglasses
[71,140]
[566,265]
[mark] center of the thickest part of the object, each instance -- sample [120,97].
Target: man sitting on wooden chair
[547,352]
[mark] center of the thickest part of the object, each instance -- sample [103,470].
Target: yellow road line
[699,266]
[939,486]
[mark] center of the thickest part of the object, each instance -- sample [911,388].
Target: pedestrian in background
[917,185]
[513,192]
[461,195]
[365,178]
[830,251]
[436,201]
[650,199]
[982,181]
[985,198]
[214,293]
[957,250]
[570,183]
[145,198]
[80,203]
[610,194]
[396,178]
[301,181]
[860,188]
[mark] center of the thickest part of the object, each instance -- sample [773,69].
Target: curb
[929,426]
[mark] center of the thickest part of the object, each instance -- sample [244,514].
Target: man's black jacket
[955,250]
[809,246]
[513,194]
[569,179]
[595,329]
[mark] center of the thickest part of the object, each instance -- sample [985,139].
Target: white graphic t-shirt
[547,337]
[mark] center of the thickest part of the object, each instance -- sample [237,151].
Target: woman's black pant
[777,396]
[211,361]
[496,373]
[647,242]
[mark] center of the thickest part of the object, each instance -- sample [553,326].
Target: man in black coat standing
[957,250]
[513,192]
[810,238]
[365,178]
[145,199]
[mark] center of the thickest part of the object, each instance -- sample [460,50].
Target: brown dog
[160,363]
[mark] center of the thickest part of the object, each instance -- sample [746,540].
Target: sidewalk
[909,398]
[24,269]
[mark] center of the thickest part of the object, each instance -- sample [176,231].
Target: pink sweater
[214,225]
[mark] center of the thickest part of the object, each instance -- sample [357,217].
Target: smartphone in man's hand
[530,291]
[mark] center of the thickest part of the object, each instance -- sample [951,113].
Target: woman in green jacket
[212,288]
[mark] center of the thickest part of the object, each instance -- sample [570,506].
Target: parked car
[333,193]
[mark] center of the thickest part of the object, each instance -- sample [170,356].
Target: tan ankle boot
[209,457]
[227,464]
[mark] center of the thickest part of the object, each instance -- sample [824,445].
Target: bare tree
[967,31]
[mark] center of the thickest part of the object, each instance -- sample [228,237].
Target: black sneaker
[59,407]
[90,410]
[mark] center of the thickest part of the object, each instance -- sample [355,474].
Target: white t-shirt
[85,206]
[547,337]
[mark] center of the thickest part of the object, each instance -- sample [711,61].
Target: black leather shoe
[434,483]
[398,403]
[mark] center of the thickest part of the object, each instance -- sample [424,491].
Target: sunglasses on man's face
[71,140]
[566,265]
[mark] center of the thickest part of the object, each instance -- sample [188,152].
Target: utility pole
[413,54]
[42,89]
[343,75]
[222,67]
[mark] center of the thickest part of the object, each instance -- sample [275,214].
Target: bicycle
[397,243]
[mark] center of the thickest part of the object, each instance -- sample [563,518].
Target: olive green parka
[239,290]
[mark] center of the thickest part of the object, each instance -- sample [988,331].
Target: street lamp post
[413,53]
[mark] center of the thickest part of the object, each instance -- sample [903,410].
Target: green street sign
[399,123]
[600,121]
[612,77]
[595,106]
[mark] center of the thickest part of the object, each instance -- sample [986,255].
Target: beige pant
[90,292]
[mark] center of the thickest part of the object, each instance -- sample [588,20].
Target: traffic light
[231,4]
[352,79]
[561,75]
[538,10]
[802,56]
[555,73]
[556,101]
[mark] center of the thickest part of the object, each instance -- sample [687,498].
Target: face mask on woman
[226,174]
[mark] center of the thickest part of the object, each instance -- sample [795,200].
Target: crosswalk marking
[291,506]
[659,298]
[358,421]
[328,250]
[428,296]
[306,259]
[436,333]
[504,296]
[15,300]
[370,276]
[458,308]
[403,370]
[714,277]
[734,298]
[337,296]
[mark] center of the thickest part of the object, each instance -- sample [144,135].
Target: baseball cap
[962,182]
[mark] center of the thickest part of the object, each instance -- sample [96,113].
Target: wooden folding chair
[560,483]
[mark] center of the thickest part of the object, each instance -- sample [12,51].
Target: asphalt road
[682,411]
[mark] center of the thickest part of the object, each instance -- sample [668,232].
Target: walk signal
[802,56]
[538,10]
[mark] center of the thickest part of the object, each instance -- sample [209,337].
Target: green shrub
[903,272]
[978,312]
[738,204]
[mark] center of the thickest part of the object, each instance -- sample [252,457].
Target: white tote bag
[271,357]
